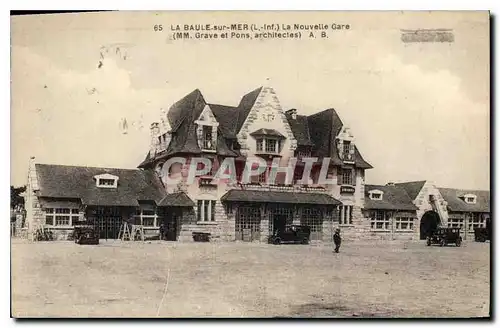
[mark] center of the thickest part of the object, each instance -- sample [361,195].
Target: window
[345,215]
[470,199]
[62,220]
[346,150]
[146,215]
[475,220]
[207,142]
[106,182]
[380,220]
[346,177]
[262,178]
[271,146]
[375,194]
[456,222]
[304,153]
[260,144]
[61,216]
[206,210]
[268,145]
[404,223]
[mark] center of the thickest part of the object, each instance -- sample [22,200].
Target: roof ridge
[90,167]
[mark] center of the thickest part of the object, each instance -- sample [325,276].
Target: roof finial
[267,82]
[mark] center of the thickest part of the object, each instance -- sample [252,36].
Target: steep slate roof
[227,117]
[176,199]
[279,197]
[412,188]
[323,129]
[267,132]
[62,181]
[244,107]
[300,129]
[456,202]
[394,198]
[318,130]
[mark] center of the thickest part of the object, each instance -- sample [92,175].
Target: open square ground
[168,279]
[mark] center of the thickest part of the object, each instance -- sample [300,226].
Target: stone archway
[429,223]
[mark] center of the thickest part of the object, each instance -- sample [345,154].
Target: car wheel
[442,243]
[277,241]
[458,243]
[428,241]
[305,241]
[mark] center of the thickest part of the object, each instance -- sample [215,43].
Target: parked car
[482,234]
[86,234]
[445,236]
[294,234]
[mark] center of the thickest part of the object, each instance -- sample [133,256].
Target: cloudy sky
[418,111]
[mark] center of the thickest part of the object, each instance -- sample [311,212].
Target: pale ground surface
[367,279]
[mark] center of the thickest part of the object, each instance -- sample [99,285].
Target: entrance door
[279,222]
[312,218]
[247,226]
[172,224]
[109,220]
[428,224]
[281,216]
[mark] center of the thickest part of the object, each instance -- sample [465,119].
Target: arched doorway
[428,224]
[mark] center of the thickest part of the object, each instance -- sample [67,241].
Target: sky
[418,111]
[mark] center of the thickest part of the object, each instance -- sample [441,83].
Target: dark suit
[337,240]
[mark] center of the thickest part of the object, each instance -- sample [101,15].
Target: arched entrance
[428,224]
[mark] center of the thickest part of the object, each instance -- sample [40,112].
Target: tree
[16,200]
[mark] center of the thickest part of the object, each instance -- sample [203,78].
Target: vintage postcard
[250,165]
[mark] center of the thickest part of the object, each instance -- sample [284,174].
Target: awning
[267,132]
[176,199]
[258,196]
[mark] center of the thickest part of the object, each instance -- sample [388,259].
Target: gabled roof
[300,129]
[456,202]
[323,129]
[179,199]
[412,188]
[227,117]
[262,196]
[394,198]
[267,132]
[318,130]
[189,106]
[244,107]
[62,181]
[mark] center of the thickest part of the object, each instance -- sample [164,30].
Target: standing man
[337,240]
[162,232]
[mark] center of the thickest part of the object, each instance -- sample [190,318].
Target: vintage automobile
[482,234]
[445,236]
[294,234]
[86,233]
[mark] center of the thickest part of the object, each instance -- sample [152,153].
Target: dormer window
[268,145]
[207,143]
[470,199]
[106,181]
[206,130]
[268,141]
[376,194]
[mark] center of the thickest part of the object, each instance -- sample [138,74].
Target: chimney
[155,132]
[292,112]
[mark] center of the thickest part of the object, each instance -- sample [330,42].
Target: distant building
[389,213]
[59,196]
[446,207]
